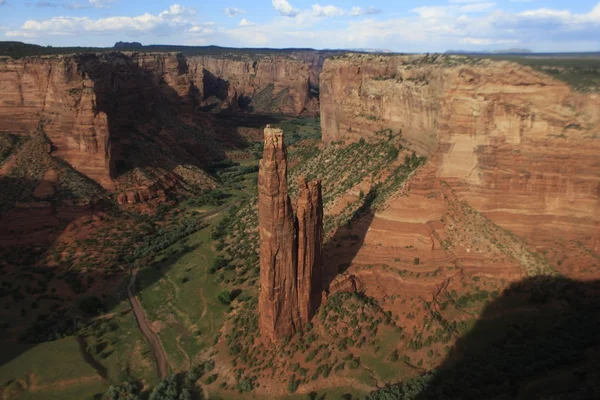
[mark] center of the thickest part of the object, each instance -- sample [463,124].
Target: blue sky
[409,25]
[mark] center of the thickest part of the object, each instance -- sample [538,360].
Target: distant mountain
[128,45]
[501,51]
[371,50]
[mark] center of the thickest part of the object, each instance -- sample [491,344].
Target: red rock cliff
[108,115]
[290,250]
[264,84]
[518,146]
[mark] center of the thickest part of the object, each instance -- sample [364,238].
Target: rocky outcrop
[290,248]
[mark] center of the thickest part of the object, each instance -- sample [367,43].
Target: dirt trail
[151,336]
[205,308]
[140,317]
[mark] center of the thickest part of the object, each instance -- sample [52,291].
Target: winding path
[142,322]
[151,336]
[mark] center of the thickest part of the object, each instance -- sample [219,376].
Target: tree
[123,391]
[166,390]
[224,297]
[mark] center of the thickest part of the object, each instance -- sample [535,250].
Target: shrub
[416,261]
[225,297]
[293,385]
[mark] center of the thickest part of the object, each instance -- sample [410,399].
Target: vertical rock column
[309,212]
[290,248]
[278,297]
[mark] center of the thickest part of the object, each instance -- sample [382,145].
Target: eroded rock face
[109,114]
[266,84]
[290,249]
[309,211]
[517,145]
[278,300]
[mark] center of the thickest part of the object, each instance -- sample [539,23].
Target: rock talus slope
[290,247]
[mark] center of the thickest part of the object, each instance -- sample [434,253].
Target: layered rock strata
[108,114]
[518,146]
[290,246]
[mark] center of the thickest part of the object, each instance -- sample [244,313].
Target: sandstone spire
[309,212]
[278,299]
[288,286]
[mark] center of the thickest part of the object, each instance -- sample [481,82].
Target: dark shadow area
[150,124]
[214,86]
[247,120]
[33,310]
[539,340]
[341,249]
[28,228]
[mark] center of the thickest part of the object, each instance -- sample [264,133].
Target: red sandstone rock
[96,109]
[289,287]
[517,145]
[309,212]
[278,301]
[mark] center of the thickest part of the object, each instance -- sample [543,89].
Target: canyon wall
[512,181]
[128,120]
[515,143]
[290,247]
[263,84]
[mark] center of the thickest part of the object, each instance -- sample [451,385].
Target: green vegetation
[581,72]
[225,297]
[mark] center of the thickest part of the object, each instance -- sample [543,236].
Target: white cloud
[358,11]
[465,1]
[487,41]
[285,8]
[327,11]
[102,3]
[245,22]
[233,11]
[166,23]
[470,24]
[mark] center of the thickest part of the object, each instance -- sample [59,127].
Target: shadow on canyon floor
[150,124]
[539,339]
[42,303]
[344,245]
[46,325]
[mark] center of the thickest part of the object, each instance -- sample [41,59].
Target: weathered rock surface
[127,120]
[278,299]
[290,249]
[265,84]
[518,146]
[309,212]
